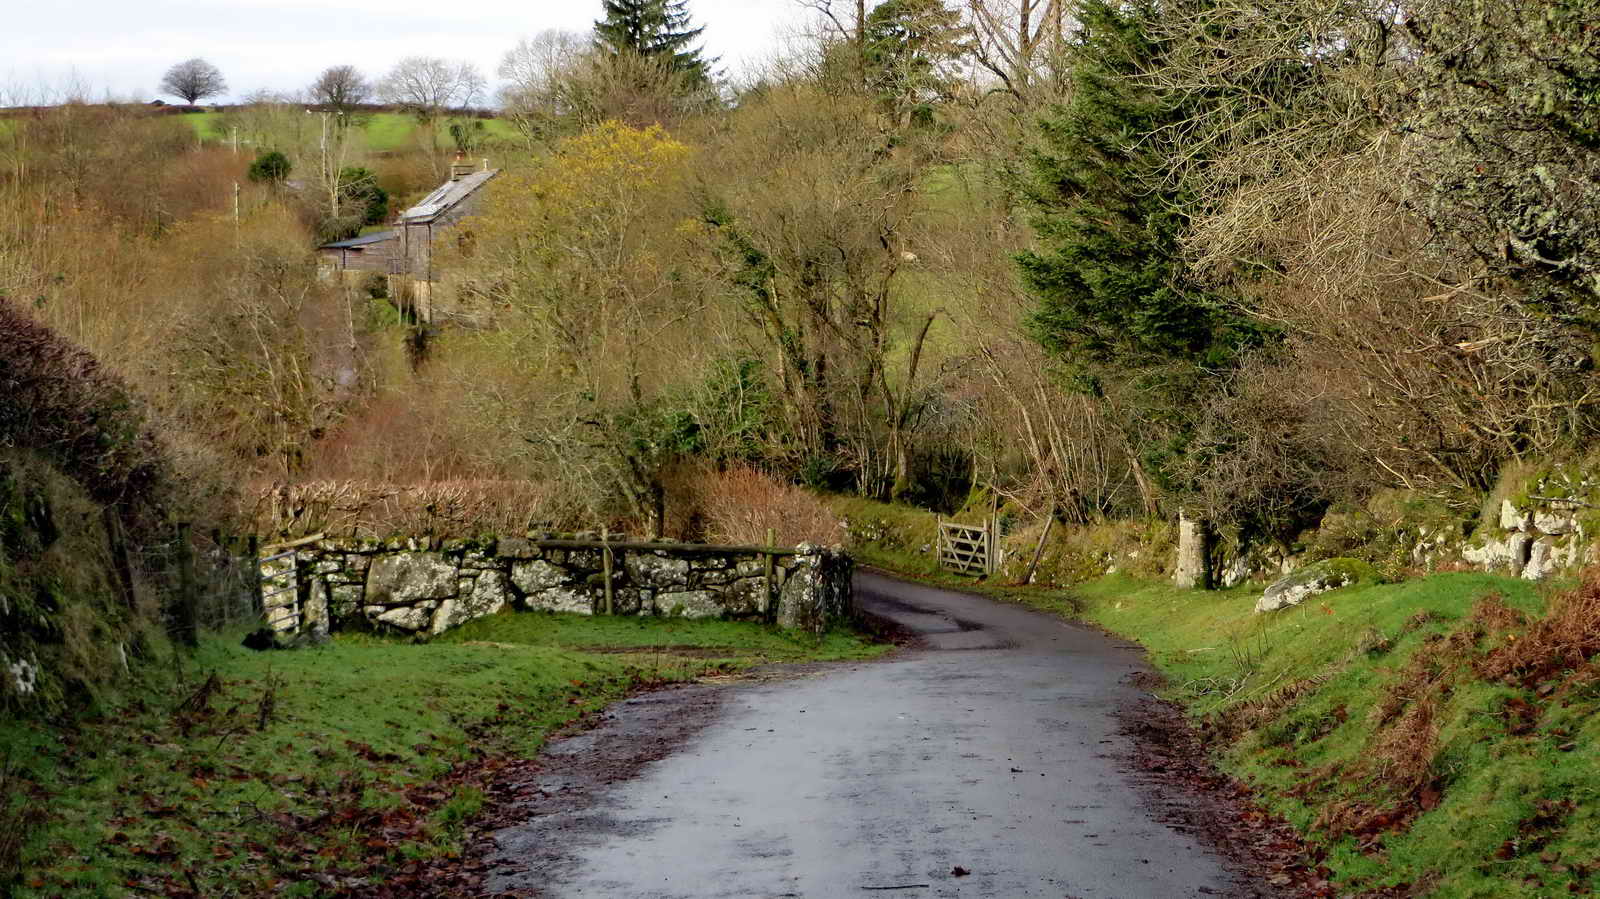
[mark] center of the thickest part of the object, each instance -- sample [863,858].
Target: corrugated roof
[363,240]
[445,196]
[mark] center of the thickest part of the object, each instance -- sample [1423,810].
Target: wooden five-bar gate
[968,548]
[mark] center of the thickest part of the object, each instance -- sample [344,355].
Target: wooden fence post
[188,594]
[1193,570]
[605,558]
[119,557]
[993,561]
[1038,552]
[658,499]
[258,604]
[768,574]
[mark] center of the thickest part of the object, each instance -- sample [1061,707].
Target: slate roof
[445,196]
[363,240]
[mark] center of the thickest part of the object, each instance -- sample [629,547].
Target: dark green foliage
[728,417]
[468,134]
[661,433]
[1107,275]
[737,411]
[360,186]
[653,29]
[753,270]
[270,167]
[907,48]
[1116,306]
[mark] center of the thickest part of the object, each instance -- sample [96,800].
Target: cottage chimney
[460,169]
[485,164]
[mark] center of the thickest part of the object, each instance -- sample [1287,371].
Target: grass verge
[1434,736]
[244,773]
[207,125]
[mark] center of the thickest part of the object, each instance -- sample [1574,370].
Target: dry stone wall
[1532,540]
[422,586]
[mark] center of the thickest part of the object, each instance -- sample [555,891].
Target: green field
[207,125]
[235,772]
[385,131]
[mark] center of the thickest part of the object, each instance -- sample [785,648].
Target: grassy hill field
[385,131]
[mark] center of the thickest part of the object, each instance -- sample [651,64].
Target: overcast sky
[122,48]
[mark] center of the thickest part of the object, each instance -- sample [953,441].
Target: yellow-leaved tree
[575,265]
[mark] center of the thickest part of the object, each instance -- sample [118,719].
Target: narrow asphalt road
[994,750]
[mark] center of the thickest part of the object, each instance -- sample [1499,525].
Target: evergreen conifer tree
[658,29]
[1107,274]
[1114,303]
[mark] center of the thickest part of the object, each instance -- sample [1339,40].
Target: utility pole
[330,174]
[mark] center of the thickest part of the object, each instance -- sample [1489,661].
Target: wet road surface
[994,749]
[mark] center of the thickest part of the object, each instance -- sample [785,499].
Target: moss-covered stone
[1314,579]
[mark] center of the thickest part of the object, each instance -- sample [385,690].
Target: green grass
[360,763]
[385,131]
[737,643]
[1319,753]
[207,125]
[1314,757]
[1206,641]
[891,536]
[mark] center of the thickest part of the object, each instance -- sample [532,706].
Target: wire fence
[199,582]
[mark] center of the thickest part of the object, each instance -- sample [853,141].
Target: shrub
[270,167]
[740,504]
[1563,640]
[57,400]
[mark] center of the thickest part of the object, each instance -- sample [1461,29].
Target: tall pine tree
[1107,275]
[657,29]
[1114,303]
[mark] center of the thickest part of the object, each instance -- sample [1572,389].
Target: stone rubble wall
[1533,542]
[1534,536]
[424,586]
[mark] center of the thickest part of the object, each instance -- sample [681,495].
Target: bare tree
[808,221]
[537,72]
[193,80]
[847,21]
[536,63]
[1014,39]
[428,85]
[341,88]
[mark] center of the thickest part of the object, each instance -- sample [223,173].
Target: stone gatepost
[1194,553]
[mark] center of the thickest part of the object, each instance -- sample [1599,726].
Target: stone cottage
[404,253]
